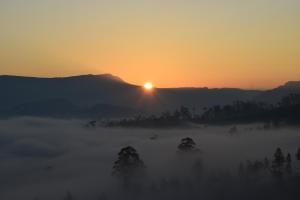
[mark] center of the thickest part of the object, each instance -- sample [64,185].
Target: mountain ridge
[86,91]
[108,76]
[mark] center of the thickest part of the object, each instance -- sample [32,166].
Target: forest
[285,112]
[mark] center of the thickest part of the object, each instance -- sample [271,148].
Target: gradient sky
[172,43]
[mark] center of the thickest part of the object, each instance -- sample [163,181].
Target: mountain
[60,108]
[276,94]
[109,96]
[83,90]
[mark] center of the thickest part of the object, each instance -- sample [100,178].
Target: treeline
[267,178]
[286,111]
[167,119]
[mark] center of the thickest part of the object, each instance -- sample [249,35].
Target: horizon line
[117,77]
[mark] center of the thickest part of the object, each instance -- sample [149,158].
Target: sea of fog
[45,159]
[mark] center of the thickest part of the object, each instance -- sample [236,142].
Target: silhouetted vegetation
[252,176]
[91,124]
[289,163]
[258,176]
[128,164]
[278,163]
[187,145]
[281,167]
[298,154]
[287,111]
[179,117]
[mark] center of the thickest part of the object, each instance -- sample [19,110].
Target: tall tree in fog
[278,162]
[289,163]
[298,154]
[128,165]
[278,157]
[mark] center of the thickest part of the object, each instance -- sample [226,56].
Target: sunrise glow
[148,86]
[207,43]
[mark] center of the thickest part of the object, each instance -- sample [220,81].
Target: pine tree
[277,163]
[289,163]
[278,157]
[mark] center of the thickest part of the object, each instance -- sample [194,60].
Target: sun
[148,86]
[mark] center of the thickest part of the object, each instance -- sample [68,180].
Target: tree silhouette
[290,100]
[278,162]
[185,113]
[279,158]
[289,163]
[128,164]
[91,124]
[298,154]
[187,144]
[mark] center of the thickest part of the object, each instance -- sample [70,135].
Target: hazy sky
[215,43]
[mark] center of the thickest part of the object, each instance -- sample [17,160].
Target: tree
[288,158]
[289,163]
[128,164]
[298,154]
[277,163]
[187,144]
[278,157]
[91,124]
[185,113]
[290,100]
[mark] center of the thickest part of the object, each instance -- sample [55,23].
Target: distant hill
[107,95]
[276,94]
[60,108]
[83,90]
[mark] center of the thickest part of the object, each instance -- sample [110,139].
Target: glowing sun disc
[148,86]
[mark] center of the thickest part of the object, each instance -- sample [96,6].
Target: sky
[171,43]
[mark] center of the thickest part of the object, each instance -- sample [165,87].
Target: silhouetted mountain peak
[291,85]
[108,77]
[97,77]
[276,94]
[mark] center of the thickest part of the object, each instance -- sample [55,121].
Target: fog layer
[46,159]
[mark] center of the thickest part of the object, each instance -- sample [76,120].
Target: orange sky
[176,43]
